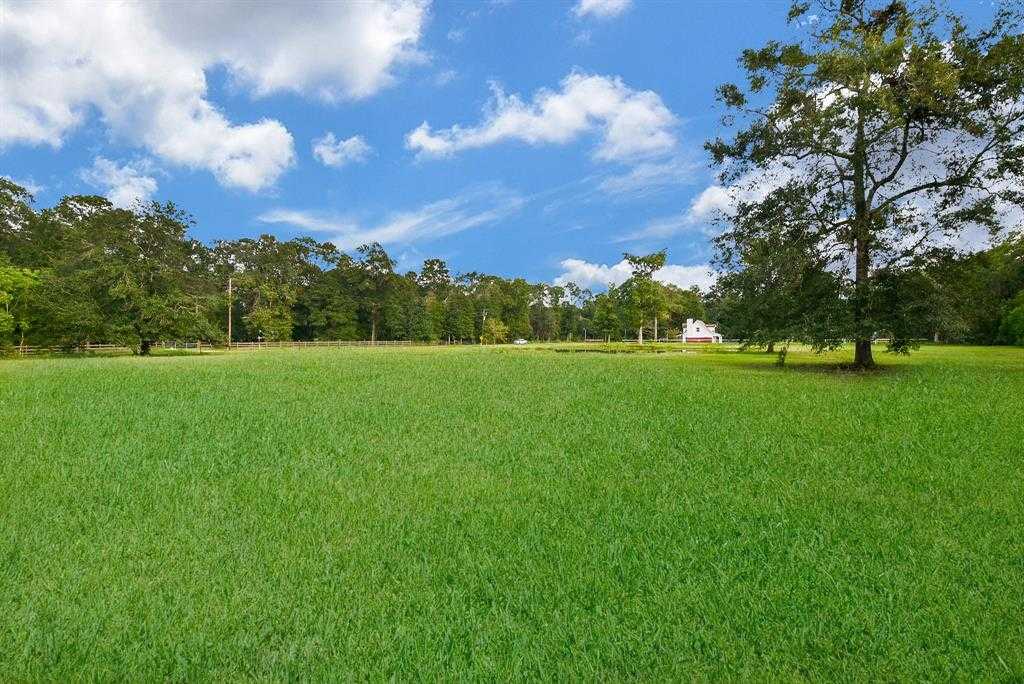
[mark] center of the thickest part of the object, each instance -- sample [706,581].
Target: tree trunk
[771,348]
[655,328]
[144,347]
[781,360]
[640,334]
[862,357]
[373,329]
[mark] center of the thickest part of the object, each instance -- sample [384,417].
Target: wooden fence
[288,344]
[199,347]
[25,350]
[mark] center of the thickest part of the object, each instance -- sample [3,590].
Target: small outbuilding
[699,331]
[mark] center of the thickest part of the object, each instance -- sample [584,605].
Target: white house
[699,331]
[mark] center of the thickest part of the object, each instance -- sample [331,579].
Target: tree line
[86,271]
[861,157]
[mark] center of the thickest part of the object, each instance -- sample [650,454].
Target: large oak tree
[891,129]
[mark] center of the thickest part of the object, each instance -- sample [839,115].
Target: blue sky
[539,139]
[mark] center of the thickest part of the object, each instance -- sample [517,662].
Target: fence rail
[243,346]
[26,350]
[199,347]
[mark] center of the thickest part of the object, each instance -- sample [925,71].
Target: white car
[519,341]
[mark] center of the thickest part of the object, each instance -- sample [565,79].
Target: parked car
[519,341]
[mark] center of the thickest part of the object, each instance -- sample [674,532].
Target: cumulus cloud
[332,50]
[751,187]
[333,152]
[632,124]
[141,66]
[123,184]
[601,9]
[586,274]
[477,207]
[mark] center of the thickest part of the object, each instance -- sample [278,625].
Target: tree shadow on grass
[822,367]
[800,360]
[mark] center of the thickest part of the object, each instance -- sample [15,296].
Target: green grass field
[512,513]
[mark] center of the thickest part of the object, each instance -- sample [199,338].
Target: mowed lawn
[512,513]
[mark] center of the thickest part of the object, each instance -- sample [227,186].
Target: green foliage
[973,291]
[405,312]
[606,315]
[680,305]
[270,322]
[494,332]
[16,217]
[127,277]
[270,278]
[16,285]
[776,289]
[642,298]
[328,309]
[378,275]
[1012,327]
[887,126]
[515,309]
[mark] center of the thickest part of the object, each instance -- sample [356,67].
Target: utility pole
[229,312]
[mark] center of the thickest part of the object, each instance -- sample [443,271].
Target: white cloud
[586,274]
[601,9]
[309,220]
[331,50]
[632,124]
[650,177]
[477,207]
[443,78]
[687,276]
[141,67]
[715,200]
[333,152]
[124,184]
[659,228]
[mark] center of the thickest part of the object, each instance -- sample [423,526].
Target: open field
[512,513]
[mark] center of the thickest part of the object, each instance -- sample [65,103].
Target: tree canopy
[892,131]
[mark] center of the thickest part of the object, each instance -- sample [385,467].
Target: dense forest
[87,271]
